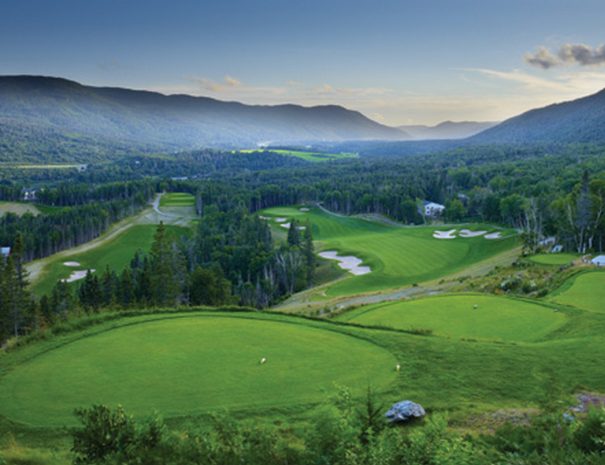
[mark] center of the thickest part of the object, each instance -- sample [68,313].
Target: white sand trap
[305,209]
[280,220]
[287,226]
[71,264]
[451,234]
[349,263]
[264,217]
[495,235]
[469,233]
[76,276]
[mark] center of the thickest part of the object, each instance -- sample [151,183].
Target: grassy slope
[585,291]
[398,256]
[189,364]
[497,318]
[554,258]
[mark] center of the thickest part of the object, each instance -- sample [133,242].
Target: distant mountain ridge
[66,112]
[576,121]
[447,130]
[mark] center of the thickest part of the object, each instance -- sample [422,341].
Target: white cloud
[568,54]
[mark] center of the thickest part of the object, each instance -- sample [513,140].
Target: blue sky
[399,62]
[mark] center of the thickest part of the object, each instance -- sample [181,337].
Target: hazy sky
[399,62]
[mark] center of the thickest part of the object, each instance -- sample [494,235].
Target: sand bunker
[349,263]
[280,220]
[469,233]
[264,217]
[287,226]
[451,234]
[76,276]
[305,209]
[495,235]
[71,264]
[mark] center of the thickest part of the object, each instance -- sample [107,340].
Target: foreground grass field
[115,254]
[398,256]
[190,364]
[306,155]
[585,291]
[465,316]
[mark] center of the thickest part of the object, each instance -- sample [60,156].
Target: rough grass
[495,318]
[18,208]
[187,364]
[177,199]
[585,291]
[398,256]
[553,258]
[115,254]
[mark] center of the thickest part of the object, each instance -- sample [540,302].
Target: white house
[599,260]
[432,209]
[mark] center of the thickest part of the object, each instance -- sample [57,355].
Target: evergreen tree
[208,287]
[309,252]
[166,270]
[126,291]
[293,234]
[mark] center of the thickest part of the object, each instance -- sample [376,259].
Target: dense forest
[232,258]
[75,213]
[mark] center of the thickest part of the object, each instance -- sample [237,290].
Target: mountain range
[576,121]
[57,119]
[446,130]
[65,112]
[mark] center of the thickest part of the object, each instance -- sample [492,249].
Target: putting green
[585,291]
[177,199]
[553,258]
[398,256]
[187,364]
[498,318]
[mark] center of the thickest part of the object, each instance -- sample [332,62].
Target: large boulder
[404,411]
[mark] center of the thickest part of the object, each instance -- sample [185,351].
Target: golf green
[465,316]
[177,199]
[188,364]
[585,291]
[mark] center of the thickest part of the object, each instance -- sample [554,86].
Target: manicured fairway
[498,318]
[306,155]
[398,256]
[553,258]
[177,199]
[115,253]
[188,364]
[585,291]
